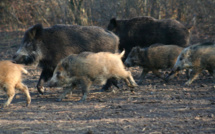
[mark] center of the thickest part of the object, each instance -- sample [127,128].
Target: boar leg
[25,90]
[143,74]
[10,93]
[85,85]
[44,77]
[214,76]
[109,83]
[114,82]
[157,73]
[66,91]
[130,80]
[211,72]
[171,76]
[188,73]
[194,75]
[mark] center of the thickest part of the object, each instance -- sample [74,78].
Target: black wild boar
[197,57]
[153,58]
[89,68]
[45,47]
[145,31]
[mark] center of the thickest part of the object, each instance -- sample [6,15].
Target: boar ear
[137,49]
[188,52]
[36,31]
[113,22]
[65,65]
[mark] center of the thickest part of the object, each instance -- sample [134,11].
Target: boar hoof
[187,83]
[139,82]
[27,105]
[106,90]
[81,101]
[166,80]
[58,100]
[102,90]
[2,107]
[41,89]
[133,85]
[115,84]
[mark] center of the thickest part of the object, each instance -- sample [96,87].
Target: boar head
[116,26]
[133,58]
[29,52]
[61,75]
[184,60]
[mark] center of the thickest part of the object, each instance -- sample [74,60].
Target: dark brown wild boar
[89,68]
[45,47]
[145,31]
[153,58]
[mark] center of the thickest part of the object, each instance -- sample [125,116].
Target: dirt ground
[154,107]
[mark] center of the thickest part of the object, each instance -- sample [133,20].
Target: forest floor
[155,107]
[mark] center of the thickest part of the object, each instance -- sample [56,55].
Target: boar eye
[58,74]
[28,44]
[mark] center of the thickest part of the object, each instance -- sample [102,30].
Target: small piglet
[11,78]
[89,68]
[153,58]
[197,57]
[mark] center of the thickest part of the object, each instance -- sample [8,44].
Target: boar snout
[174,70]
[127,63]
[52,84]
[24,59]
[14,57]
[19,59]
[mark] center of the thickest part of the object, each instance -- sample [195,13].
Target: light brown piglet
[11,79]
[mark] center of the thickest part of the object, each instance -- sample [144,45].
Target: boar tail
[24,70]
[122,53]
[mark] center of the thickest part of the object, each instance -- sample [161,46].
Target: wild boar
[153,58]
[145,31]
[45,47]
[89,68]
[197,57]
[11,78]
